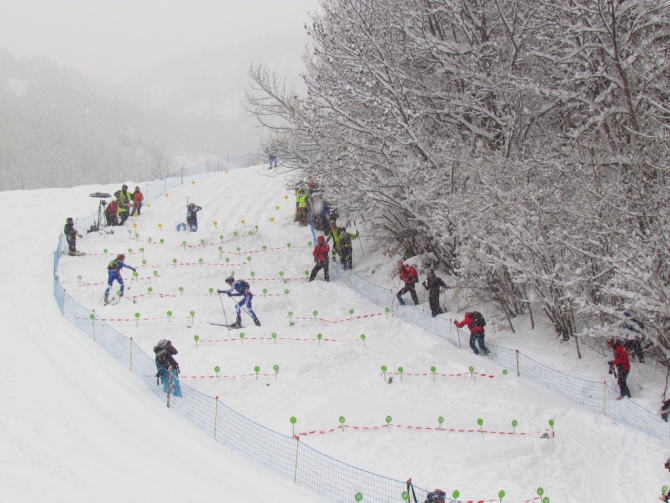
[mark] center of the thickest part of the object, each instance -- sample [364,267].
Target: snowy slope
[590,459]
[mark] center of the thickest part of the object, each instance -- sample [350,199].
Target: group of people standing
[125,205]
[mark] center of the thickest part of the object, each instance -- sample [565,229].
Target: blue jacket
[192,215]
[236,290]
[117,268]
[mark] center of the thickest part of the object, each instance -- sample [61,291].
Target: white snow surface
[77,426]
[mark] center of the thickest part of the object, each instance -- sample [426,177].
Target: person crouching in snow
[237,289]
[622,365]
[476,323]
[320,253]
[114,274]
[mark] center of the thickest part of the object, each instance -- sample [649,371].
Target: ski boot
[257,322]
[237,324]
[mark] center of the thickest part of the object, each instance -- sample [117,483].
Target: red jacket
[408,274]
[621,357]
[321,252]
[471,325]
[112,208]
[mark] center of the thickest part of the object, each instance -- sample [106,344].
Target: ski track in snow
[78,425]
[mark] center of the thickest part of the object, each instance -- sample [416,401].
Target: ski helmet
[319,239]
[230,280]
[121,256]
[69,220]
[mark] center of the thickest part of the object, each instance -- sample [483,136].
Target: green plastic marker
[341,419]
[514,423]
[351,312]
[150,290]
[174,261]
[293,421]
[265,292]
[456,494]
[540,491]
[196,338]
[221,239]
[384,371]
[432,370]
[105,252]
[400,369]
[363,339]
[169,313]
[274,336]
[386,310]
[405,495]
[276,369]
[289,246]
[440,420]
[545,499]
[200,261]
[501,495]
[319,336]
[472,370]
[480,422]
[253,276]
[162,241]
[315,314]
[130,251]
[137,319]
[238,250]
[144,262]
[192,313]
[211,292]
[286,292]
[79,279]
[242,337]
[359,497]
[181,290]
[257,369]
[265,248]
[290,318]
[216,369]
[183,243]
[504,372]
[388,420]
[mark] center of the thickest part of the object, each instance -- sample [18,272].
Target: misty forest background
[524,145]
[59,128]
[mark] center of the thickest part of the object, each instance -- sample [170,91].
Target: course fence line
[595,396]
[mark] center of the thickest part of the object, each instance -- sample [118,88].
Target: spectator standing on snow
[124,198]
[71,236]
[164,352]
[345,250]
[237,289]
[303,208]
[111,212]
[137,201]
[409,275]
[622,365]
[192,217]
[321,258]
[334,234]
[114,274]
[476,323]
[433,285]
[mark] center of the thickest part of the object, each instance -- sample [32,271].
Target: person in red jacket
[111,213]
[475,322]
[410,277]
[320,253]
[622,365]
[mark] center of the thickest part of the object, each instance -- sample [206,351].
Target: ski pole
[224,309]
[243,309]
[359,235]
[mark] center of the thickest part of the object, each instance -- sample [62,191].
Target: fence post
[182,175]
[131,356]
[64,295]
[93,323]
[518,371]
[604,398]
[295,468]
[216,415]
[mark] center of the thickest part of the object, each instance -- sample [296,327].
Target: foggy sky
[113,40]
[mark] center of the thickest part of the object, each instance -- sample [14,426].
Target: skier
[137,201]
[433,285]
[192,217]
[622,365]
[111,213]
[476,323]
[409,276]
[114,273]
[237,289]
[71,235]
[321,258]
[123,201]
[164,351]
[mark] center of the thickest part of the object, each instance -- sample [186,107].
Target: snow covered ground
[82,428]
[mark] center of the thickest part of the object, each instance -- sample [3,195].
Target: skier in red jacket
[475,322]
[622,365]
[410,277]
[320,253]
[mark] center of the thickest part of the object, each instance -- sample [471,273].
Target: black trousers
[72,245]
[621,376]
[320,265]
[409,287]
[479,338]
[434,301]
[346,256]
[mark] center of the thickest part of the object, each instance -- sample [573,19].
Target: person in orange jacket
[476,323]
[622,365]
[137,201]
[320,253]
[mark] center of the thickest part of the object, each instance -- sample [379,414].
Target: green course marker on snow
[105,252]
[293,420]
[156,276]
[221,238]
[358,497]
[514,423]
[79,279]
[265,248]
[216,369]
[242,337]
[540,491]
[162,241]
[137,319]
[315,313]
[169,313]
[253,275]
[432,370]
[363,339]
[227,260]
[456,494]
[119,294]
[220,252]
[174,261]
[276,369]
[238,250]
[256,227]
[192,313]
[257,369]
[281,275]
[319,336]
[401,370]
[501,495]
[235,234]
[286,292]
[289,246]
[130,233]
[664,489]
[341,419]
[290,318]
[472,370]
[130,251]
[250,233]
[386,310]
[440,420]
[137,236]
[202,242]
[136,274]
[388,420]
[307,274]
[405,495]
[200,261]
[309,243]
[196,338]
[351,313]
[149,239]
[144,262]
[142,250]
[504,372]
[384,371]
[545,499]
[150,290]
[265,292]
[181,290]
[183,243]
[274,336]
[211,292]
[480,422]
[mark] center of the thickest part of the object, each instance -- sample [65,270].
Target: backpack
[478,318]
[112,265]
[244,286]
[162,344]
[437,496]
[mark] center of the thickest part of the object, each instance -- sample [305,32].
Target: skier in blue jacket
[114,273]
[237,289]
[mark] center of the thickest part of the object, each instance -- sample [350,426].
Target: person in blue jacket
[192,217]
[237,289]
[114,274]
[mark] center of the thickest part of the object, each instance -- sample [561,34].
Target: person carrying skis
[164,351]
[111,213]
[321,258]
[622,365]
[476,323]
[237,289]
[433,285]
[71,236]
[410,277]
[137,201]
[192,217]
[114,274]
